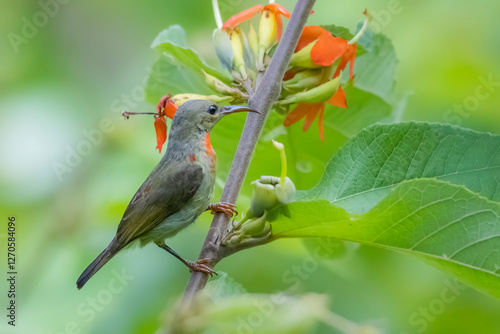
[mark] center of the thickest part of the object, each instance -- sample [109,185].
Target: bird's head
[203,115]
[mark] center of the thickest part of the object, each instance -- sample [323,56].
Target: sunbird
[178,189]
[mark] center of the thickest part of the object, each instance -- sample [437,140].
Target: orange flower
[347,57]
[311,110]
[166,107]
[161,131]
[273,9]
[323,50]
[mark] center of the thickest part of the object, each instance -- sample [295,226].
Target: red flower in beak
[166,107]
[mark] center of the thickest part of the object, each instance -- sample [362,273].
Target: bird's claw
[227,208]
[201,266]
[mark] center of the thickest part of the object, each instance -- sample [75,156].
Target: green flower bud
[223,48]
[285,193]
[318,94]
[270,191]
[264,195]
[302,58]
[253,41]
[220,87]
[304,80]
[249,228]
[237,45]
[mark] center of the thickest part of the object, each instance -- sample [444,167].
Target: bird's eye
[212,109]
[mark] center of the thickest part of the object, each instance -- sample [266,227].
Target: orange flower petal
[320,123]
[338,99]
[297,114]
[311,115]
[309,35]
[328,49]
[278,9]
[242,17]
[170,109]
[347,57]
[161,131]
[279,27]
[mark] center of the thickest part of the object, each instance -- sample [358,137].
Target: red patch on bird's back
[192,157]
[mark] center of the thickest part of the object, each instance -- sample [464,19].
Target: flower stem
[361,31]
[218,18]
[281,148]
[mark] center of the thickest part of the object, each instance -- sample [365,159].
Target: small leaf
[183,55]
[375,71]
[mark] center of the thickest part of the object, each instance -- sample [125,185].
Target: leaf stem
[267,91]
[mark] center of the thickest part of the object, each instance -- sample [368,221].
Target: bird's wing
[157,199]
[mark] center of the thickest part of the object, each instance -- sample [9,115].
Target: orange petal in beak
[161,131]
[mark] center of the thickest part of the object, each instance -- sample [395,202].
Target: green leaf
[445,225]
[382,156]
[173,34]
[375,71]
[166,44]
[166,77]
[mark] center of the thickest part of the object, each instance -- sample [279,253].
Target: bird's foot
[227,208]
[200,266]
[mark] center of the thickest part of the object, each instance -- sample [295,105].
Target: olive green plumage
[178,189]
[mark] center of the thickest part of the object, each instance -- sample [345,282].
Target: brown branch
[266,93]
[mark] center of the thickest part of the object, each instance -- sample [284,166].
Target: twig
[263,98]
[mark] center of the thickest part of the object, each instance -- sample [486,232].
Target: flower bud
[223,48]
[264,196]
[267,32]
[220,87]
[270,191]
[303,58]
[249,228]
[286,192]
[237,45]
[180,99]
[304,80]
[253,41]
[318,94]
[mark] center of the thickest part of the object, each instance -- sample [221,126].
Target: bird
[177,190]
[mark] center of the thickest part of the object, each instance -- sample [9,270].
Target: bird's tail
[97,264]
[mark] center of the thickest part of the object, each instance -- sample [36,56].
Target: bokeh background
[89,61]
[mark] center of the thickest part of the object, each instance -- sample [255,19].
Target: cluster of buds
[312,79]
[268,192]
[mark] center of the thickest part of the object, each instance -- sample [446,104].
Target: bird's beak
[232,109]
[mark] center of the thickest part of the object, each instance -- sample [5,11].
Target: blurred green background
[88,62]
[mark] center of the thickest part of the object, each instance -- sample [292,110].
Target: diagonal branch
[266,93]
